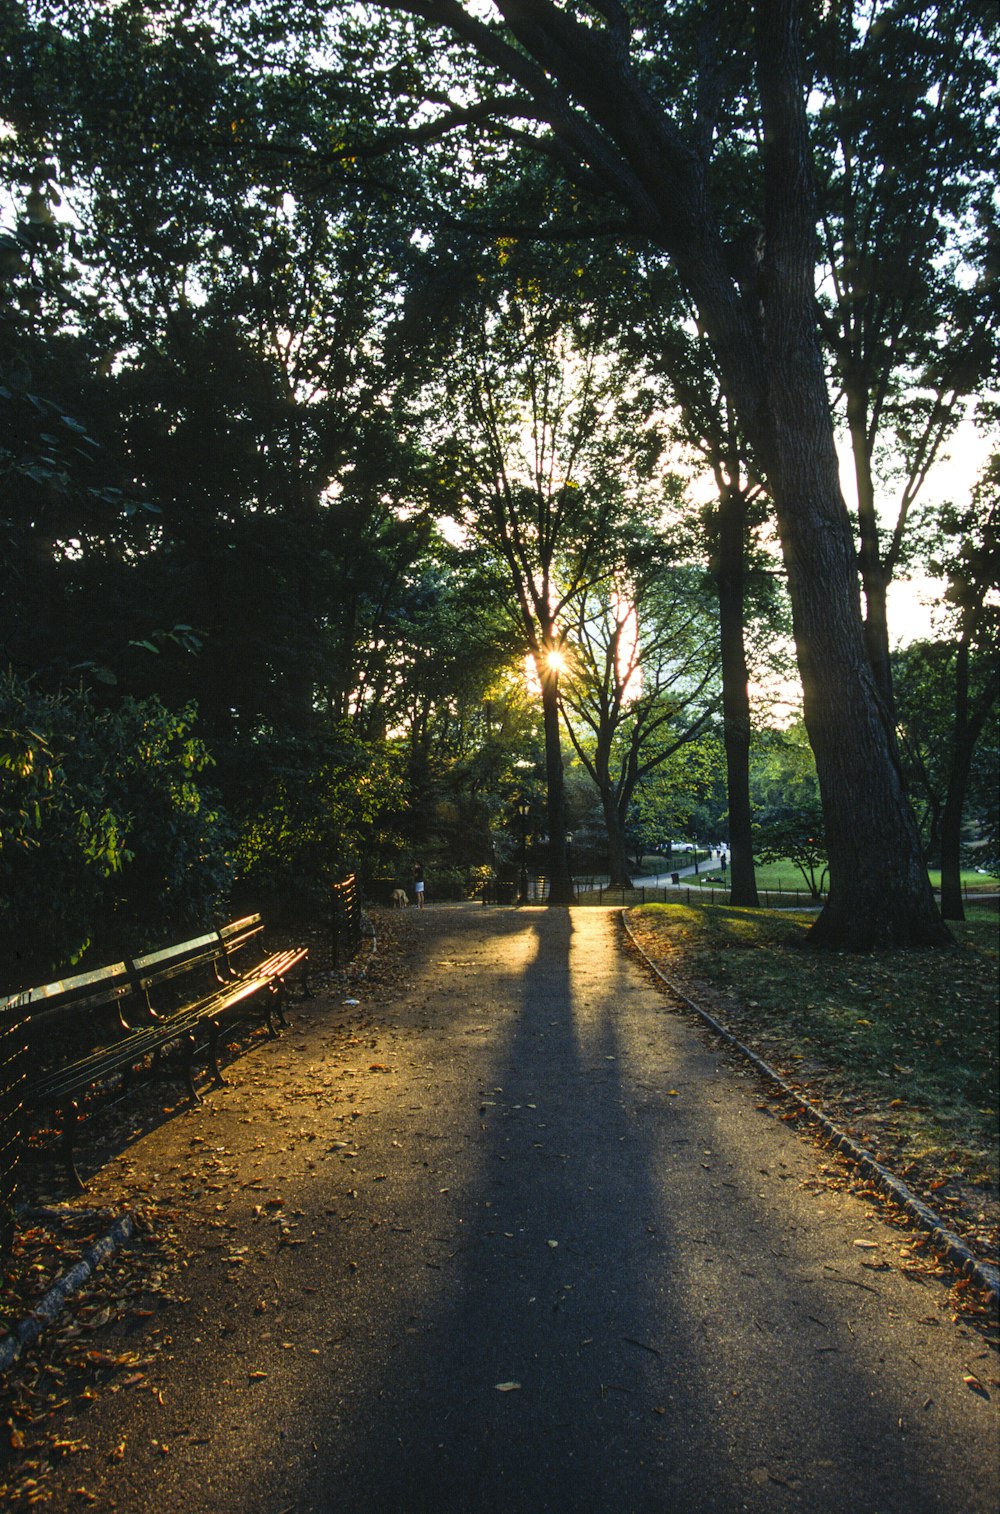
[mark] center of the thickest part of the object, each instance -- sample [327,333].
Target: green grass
[785,876]
[906,1040]
[776,876]
[973,881]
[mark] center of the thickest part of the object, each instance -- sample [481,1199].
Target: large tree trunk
[729,577]
[880,894]
[873,573]
[619,872]
[560,880]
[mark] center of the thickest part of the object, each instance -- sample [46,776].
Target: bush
[326,807]
[107,840]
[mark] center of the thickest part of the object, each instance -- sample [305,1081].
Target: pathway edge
[48,1307]
[945,1242]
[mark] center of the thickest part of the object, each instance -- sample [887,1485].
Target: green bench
[99,1029]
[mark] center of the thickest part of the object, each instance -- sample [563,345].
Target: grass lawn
[786,876]
[901,1048]
[770,875]
[973,881]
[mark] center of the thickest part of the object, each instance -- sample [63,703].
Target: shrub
[324,805]
[107,839]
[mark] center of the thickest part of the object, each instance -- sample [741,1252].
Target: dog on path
[399,899]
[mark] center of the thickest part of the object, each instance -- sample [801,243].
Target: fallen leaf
[507,1387]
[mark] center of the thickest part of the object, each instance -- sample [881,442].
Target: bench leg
[213,1054]
[279,990]
[70,1120]
[270,995]
[194,1097]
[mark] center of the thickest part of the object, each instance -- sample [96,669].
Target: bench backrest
[54,1023]
[164,977]
[192,966]
[50,1004]
[107,1001]
[240,933]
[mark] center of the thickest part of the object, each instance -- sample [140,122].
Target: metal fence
[345,925]
[13,1051]
[600,893]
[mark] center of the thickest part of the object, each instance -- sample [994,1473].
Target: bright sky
[911,602]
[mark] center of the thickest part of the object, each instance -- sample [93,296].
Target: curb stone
[30,1328]
[945,1242]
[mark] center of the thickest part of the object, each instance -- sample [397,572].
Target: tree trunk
[619,873]
[963,744]
[873,573]
[952,904]
[880,895]
[560,881]
[735,696]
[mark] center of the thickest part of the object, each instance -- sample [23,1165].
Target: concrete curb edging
[29,1329]
[945,1242]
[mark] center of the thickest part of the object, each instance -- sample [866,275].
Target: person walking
[418,883]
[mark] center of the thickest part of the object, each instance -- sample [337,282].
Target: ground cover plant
[900,1047]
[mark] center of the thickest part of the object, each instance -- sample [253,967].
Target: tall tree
[547,447]
[906,141]
[642,681]
[706,426]
[957,678]
[632,107]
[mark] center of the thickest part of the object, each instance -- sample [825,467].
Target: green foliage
[797,836]
[685,796]
[107,837]
[924,678]
[319,806]
[786,801]
[783,772]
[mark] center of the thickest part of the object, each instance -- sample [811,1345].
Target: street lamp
[523,810]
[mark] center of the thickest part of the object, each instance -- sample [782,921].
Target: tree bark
[880,895]
[729,579]
[560,879]
[619,872]
[969,723]
[874,575]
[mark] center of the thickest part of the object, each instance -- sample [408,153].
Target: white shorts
[419,888]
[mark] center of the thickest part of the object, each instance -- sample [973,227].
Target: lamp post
[523,811]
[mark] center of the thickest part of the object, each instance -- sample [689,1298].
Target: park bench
[98,1029]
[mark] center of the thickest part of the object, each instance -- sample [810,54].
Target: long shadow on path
[604,1333]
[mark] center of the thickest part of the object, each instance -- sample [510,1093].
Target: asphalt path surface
[524,1241]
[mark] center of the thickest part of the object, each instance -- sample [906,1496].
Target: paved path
[666,880]
[528,1246]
